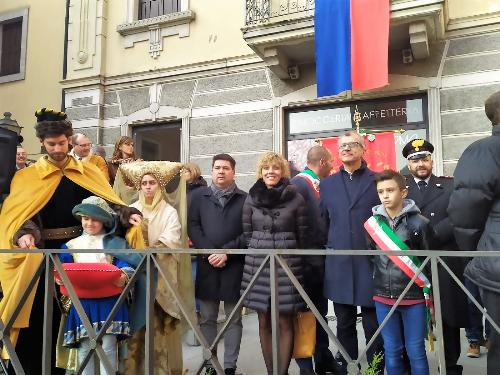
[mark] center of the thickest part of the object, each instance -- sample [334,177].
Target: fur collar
[264,197]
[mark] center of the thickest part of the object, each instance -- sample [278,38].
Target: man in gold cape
[33,189]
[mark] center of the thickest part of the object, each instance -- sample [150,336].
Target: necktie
[422,185]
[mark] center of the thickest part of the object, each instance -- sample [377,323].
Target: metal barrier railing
[274,258]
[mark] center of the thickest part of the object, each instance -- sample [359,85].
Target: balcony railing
[260,11]
[150,266]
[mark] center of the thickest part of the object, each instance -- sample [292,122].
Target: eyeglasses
[345,146]
[85,145]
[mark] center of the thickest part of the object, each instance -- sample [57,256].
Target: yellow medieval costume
[164,226]
[31,189]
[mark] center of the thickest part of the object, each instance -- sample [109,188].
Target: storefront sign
[370,114]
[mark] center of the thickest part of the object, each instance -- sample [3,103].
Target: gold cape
[31,189]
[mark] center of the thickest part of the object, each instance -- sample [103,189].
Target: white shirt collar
[419,179]
[86,158]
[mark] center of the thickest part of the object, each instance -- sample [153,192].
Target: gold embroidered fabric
[163,171]
[167,346]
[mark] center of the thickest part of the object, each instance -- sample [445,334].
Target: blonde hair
[272,158]
[194,169]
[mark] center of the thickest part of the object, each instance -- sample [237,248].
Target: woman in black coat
[274,217]
[194,180]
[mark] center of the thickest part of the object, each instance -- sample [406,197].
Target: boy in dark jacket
[397,224]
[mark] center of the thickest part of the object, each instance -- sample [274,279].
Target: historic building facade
[192,78]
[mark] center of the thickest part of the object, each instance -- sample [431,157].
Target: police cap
[417,148]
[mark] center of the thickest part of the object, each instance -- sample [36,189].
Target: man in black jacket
[307,183]
[475,213]
[432,195]
[214,222]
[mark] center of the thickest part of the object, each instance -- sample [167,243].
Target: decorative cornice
[171,19]
[480,23]
[195,71]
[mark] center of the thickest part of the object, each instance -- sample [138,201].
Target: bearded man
[37,213]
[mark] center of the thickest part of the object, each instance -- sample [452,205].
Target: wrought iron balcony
[281,32]
[259,11]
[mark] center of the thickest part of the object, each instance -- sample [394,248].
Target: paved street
[252,363]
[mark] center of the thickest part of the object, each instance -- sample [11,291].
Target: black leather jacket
[415,230]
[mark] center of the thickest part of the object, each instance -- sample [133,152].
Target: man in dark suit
[431,195]
[307,183]
[214,222]
[346,201]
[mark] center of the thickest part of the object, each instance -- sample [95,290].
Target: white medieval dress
[162,229]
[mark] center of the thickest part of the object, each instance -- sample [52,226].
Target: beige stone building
[192,78]
[31,61]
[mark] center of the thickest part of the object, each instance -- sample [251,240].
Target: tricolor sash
[311,179]
[387,240]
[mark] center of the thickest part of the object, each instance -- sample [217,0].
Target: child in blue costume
[98,223]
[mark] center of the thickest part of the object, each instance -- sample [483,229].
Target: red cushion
[91,280]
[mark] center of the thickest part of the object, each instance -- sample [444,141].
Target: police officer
[432,194]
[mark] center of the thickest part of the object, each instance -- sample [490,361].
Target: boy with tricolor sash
[397,224]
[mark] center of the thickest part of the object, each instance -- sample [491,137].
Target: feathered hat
[51,122]
[163,171]
[97,208]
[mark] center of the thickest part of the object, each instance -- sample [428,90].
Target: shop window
[13,45]
[387,124]
[155,8]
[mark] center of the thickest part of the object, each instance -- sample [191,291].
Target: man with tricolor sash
[397,224]
[307,182]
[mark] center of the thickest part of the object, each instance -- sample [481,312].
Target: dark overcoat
[211,226]
[475,208]
[433,203]
[314,265]
[348,279]
[8,144]
[274,218]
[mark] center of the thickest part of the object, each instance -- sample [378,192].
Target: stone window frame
[155,28]
[6,16]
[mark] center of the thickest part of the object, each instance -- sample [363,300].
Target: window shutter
[155,8]
[11,47]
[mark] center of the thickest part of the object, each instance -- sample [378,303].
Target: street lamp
[9,124]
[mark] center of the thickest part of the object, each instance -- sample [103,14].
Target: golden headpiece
[163,171]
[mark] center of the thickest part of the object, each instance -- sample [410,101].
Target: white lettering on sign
[390,112]
[409,111]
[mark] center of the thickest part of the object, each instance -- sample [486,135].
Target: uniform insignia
[417,143]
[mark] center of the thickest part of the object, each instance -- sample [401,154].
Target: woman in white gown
[161,229]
